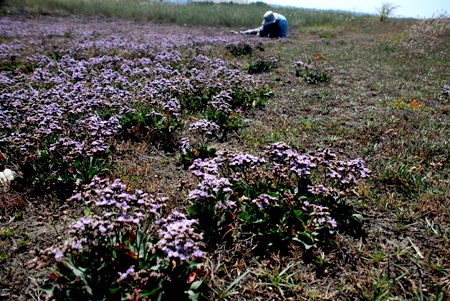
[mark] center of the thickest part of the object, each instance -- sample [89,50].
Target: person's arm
[252,31]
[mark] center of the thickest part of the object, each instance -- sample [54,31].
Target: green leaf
[359,217]
[298,214]
[139,247]
[145,293]
[307,247]
[193,296]
[47,288]
[115,290]
[87,287]
[245,216]
[78,271]
[196,284]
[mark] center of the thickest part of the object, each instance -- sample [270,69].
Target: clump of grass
[429,35]
[327,34]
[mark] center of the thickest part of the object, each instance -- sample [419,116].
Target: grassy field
[195,14]
[315,167]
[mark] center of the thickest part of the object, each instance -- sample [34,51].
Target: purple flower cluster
[446,90]
[202,167]
[264,200]
[178,238]
[320,214]
[130,271]
[301,65]
[275,181]
[122,223]
[185,143]
[240,160]
[116,205]
[114,211]
[323,191]
[204,127]
[48,256]
[346,173]
[108,37]
[209,187]
[316,66]
[221,102]
[283,156]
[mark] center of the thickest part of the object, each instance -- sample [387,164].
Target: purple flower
[204,127]
[298,63]
[185,142]
[231,203]
[172,254]
[77,225]
[332,223]
[58,255]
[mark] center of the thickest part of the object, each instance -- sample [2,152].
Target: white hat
[269,18]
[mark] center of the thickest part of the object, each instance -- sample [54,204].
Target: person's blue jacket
[277,29]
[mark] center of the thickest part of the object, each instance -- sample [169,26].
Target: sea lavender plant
[262,64]
[279,196]
[204,131]
[445,92]
[314,72]
[121,248]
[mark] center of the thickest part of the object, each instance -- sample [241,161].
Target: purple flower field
[70,93]
[162,162]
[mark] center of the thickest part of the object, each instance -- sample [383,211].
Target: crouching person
[273,26]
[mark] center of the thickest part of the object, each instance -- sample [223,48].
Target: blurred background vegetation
[193,14]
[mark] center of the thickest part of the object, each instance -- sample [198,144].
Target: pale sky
[407,8]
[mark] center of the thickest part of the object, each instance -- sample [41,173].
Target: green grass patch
[207,14]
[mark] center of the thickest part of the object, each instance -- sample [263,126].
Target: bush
[386,11]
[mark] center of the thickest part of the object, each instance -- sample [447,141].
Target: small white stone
[3,178]
[7,176]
